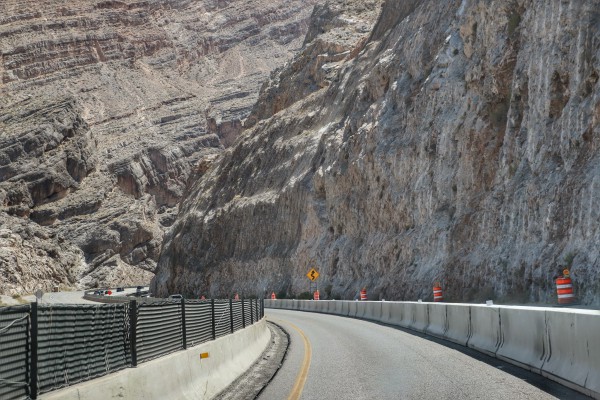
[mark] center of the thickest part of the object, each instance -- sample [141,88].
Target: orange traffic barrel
[437,292]
[316,295]
[363,294]
[564,288]
[273,296]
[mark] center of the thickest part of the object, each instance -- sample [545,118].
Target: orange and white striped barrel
[273,296]
[363,294]
[437,293]
[316,295]
[564,288]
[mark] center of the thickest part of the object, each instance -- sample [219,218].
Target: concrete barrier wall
[372,310]
[352,308]
[420,317]
[181,375]
[458,323]
[386,315]
[437,320]
[576,362]
[563,345]
[485,329]
[361,309]
[523,337]
[397,313]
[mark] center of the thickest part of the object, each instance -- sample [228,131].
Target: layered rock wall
[459,144]
[107,108]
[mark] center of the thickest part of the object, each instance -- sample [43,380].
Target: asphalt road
[354,359]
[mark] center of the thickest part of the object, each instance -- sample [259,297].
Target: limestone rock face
[107,108]
[458,143]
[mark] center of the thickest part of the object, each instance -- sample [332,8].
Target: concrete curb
[181,375]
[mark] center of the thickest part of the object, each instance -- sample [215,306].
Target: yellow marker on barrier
[203,355]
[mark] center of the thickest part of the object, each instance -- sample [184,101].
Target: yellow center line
[303,373]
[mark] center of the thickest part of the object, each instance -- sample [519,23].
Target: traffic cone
[363,294]
[564,288]
[273,296]
[437,292]
[236,297]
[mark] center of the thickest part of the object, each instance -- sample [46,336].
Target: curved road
[340,358]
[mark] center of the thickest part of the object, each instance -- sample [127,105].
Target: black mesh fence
[78,343]
[222,318]
[46,347]
[238,318]
[248,312]
[198,321]
[256,310]
[14,352]
[159,329]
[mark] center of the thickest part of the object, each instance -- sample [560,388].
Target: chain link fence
[47,347]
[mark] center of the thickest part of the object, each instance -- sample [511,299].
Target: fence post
[251,312]
[255,309]
[183,326]
[231,314]
[243,313]
[132,331]
[262,308]
[33,381]
[212,311]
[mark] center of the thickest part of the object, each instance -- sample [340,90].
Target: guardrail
[44,347]
[560,344]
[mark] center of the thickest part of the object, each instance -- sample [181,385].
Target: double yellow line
[303,373]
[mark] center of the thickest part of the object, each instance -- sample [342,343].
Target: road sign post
[312,275]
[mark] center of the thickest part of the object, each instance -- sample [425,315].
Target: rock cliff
[457,141]
[106,109]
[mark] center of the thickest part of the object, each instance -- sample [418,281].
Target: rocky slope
[459,143]
[106,109]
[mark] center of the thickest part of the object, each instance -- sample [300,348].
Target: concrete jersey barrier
[576,362]
[522,337]
[181,375]
[563,345]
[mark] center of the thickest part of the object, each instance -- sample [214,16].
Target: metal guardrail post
[231,314]
[251,312]
[262,308]
[132,331]
[183,327]
[33,367]
[243,313]
[212,311]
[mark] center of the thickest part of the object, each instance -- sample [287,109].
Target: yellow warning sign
[313,274]
[203,355]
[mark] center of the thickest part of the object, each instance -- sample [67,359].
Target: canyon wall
[456,141]
[106,109]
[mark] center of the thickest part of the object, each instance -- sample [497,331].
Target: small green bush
[569,259]
[513,23]
[305,296]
